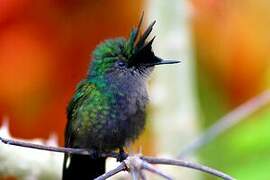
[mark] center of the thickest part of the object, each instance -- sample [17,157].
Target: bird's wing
[83,89]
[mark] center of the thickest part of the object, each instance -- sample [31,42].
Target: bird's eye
[121,63]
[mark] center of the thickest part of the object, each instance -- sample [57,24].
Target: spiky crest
[138,48]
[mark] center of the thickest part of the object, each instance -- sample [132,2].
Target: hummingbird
[107,110]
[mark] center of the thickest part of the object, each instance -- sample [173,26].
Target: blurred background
[45,50]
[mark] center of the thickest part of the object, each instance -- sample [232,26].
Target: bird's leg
[122,155]
[94,154]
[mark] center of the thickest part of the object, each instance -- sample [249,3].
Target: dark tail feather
[82,167]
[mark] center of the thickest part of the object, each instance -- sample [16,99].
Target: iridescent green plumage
[108,108]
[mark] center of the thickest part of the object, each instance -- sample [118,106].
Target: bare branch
[43,147]
[149,167]
[135,164]
[226,122]
[138,163]
[111,173]
[142,175]
[187,164]
[55,149]
[135,174]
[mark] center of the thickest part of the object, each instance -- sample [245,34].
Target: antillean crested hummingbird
[107,111]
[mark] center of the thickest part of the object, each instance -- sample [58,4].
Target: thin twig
[55,149]
[226,122]
[149,167]
[111,173]
[135,165]
[142,175]
[43,147]
[187,164]
[151,160]
[135,174]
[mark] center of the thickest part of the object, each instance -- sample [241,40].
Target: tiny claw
[122,155]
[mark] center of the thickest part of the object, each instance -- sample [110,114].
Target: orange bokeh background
[232,45]
[45,48]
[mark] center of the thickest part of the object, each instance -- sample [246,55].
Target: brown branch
[150,160]
[226,122]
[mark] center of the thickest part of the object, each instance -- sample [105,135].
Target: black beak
[158,61]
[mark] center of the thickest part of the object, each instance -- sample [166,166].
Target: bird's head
[134,55]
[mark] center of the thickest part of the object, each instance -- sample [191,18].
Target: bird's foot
[122,155]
